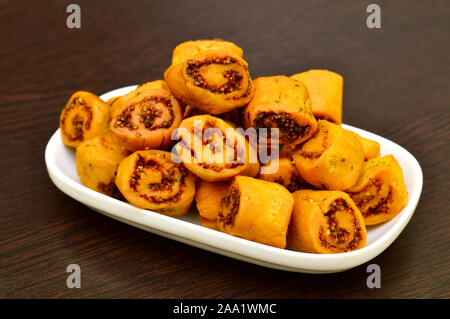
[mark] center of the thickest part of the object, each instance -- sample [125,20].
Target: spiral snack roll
[283,103]
[284,172]
[325,89]
[115,102]
[151,180]
[84,117]
[146,119]
[188,49]
[380,193]
[215,81]
[256,210]
[97,160]
[214,150]
[325,222]
[332,159]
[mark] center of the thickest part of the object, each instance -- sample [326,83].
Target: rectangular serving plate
[60,162]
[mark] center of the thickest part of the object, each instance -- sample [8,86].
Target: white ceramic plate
[60,161]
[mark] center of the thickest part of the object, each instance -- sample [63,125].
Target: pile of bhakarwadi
[265,159]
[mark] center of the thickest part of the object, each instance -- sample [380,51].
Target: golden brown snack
[256,210]
[84,117]
[117,102]
[284,173]
[146,119]
[208,197]
[188,49]
[371,148]
[325,222]
[213,150]
[97,160]
[325,89]
[332,159]
[212,81]
[380,192]
[151,180]
[283,103]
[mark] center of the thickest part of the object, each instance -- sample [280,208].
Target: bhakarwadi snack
[371,148]
[284,172]
[151,180]
[97,160]
[208,197]
[332,159]
[117,102]
[325,222]
[213,150]
[256,210]
[283,103]
[85,116]
[380,192]
[188,49]
[214,81]
[146,119]
[325,90]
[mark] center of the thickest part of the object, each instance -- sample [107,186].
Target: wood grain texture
[396,85]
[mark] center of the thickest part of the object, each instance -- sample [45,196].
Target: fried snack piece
[284,173]
[147,119]
[117,103]
[151,180]
[85,116]
[213,81]
[97,160]
[332,159]
[325,89]
[371,148]
[256,210]
[208,197]
[380,192]
[214,150]
[188,49]
[325,222]
[283,103]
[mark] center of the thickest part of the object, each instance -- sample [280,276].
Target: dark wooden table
[396,85]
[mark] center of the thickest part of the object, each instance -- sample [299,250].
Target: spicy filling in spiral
[380,193]
[151,180]
[215,81]
[283,103]
[213,150]
[147,119]
[325,222]
[84,117]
